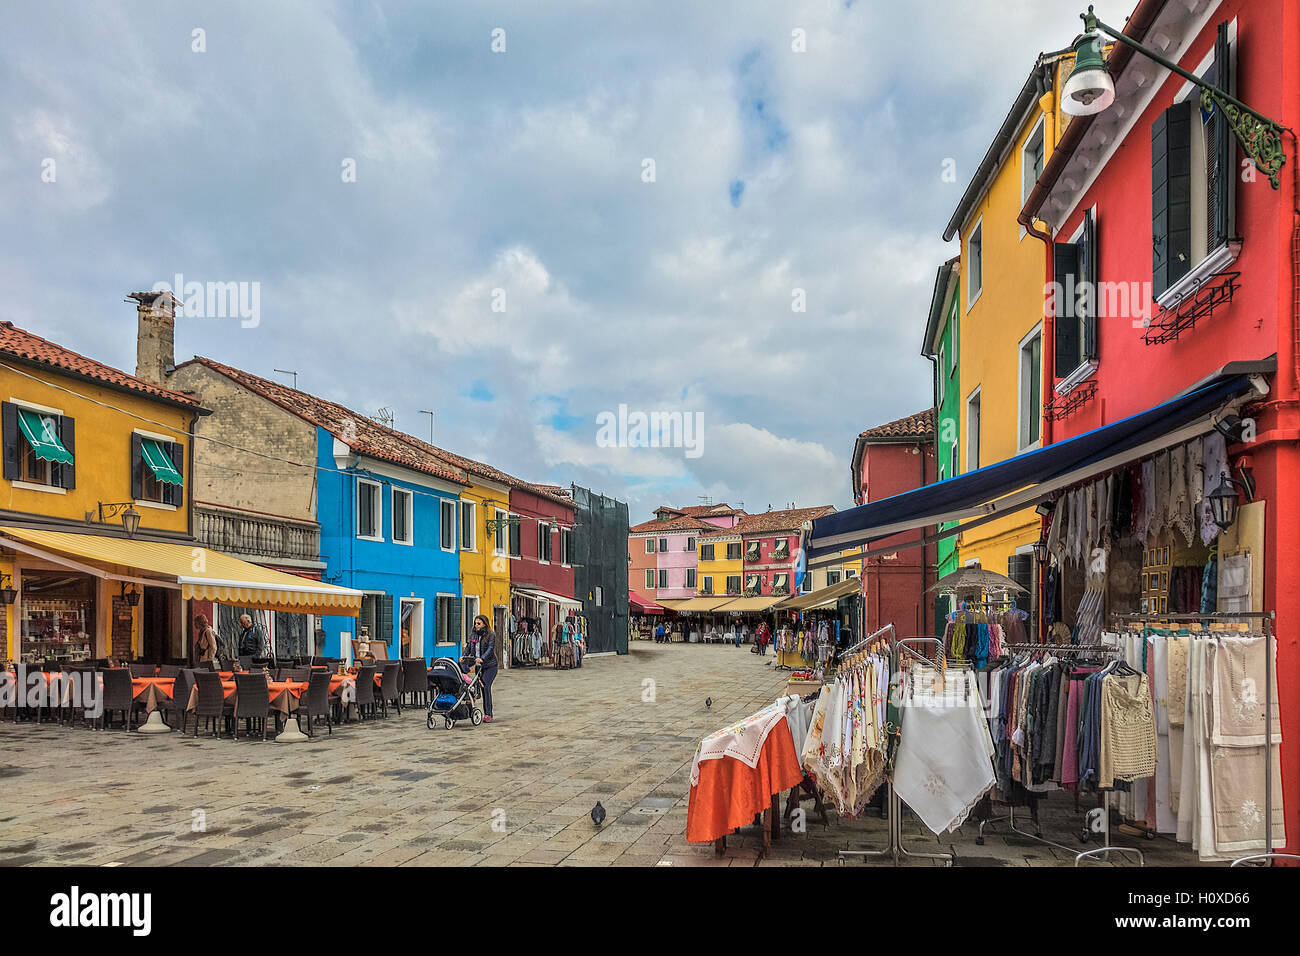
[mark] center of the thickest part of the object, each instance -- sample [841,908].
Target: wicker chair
[180,699]
[252,705]
[297,673]
[168,670]
[388,686]
[211,703]
[416,683]
[245,662]
[365,691]
[118,695]
[315,702]
[143,670]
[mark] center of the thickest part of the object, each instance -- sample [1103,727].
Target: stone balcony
[257,536]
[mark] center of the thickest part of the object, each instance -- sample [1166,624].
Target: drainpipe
[1045,426]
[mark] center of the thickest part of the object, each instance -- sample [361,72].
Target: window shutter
[137,467]
[1065,322]
[1219,178]
[385,622]
[1088,271]
[456,627]
[176,493]
[67,474]
[1171,195]
[10,435]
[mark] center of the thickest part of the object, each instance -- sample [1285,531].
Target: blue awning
[1021,482]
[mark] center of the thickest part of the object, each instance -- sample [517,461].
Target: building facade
[600,569]
[942,348]
[770,549]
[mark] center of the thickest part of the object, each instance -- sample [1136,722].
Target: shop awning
[673,604]
[639,605]
[705,603]
[822,597]
[537,594]
[160,463]
[201,574]
[1023,481]
[42,433]
[752,604]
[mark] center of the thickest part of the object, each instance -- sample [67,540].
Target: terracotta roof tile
[32,348]
[920,425]
[677,524]
[774,521]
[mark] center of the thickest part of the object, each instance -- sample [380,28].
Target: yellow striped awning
[203,574]
[751,604]
[709,603]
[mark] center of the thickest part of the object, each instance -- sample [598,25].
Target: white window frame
[443,505]
[663,579]
[1083,371]
[973,398]
[850,573]
[519,525]
[417,634]
[691,544]
[649,545]
[467,619]
[1022,396]
[566,548]
[706,584]
[650,580]
[409,540]
[501,536]
[376,510]
[470,525]
[977,230]
[437,599]
[942,371]
[955,453]
[1037,132]
[543,529]
[839,576]
[691,573]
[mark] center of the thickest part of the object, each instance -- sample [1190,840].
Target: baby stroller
[454,692]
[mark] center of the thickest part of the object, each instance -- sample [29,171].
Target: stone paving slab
[515,792]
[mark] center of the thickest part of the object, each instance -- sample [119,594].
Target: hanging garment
[1150,495]
[1054,531]
[1215,455]
[1210,586]
[1180,505]
[1136,501]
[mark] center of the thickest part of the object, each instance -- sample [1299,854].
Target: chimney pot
[155,341]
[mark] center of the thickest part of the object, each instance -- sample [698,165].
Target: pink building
[663,552]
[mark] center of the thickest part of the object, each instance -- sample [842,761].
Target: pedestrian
[206,646]
[482,646]
[252,639]
[761,637]
[659,633]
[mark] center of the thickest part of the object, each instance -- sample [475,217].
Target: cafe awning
[1023,481]
[537,594]
[639,605]
[705,603]
[822,597]
[200,573]
[752,604]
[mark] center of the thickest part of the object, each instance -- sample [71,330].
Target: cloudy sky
[614,206]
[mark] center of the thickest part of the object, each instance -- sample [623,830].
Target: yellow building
[484,552]
[1000,365]
[83,443]
[719,565]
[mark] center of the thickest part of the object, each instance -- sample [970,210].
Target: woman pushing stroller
[481,651]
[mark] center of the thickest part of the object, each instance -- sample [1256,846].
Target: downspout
[1047,389]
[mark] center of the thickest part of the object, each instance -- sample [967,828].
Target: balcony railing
[259,537]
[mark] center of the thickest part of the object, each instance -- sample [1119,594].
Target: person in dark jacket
[482,646]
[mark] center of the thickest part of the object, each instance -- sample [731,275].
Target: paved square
[517,791]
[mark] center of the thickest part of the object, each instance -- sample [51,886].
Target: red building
[540,548]
[889,460]
[1194,257]
[770,549]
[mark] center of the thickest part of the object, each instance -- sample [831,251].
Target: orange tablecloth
[284,694]
[150,691]
[730,794]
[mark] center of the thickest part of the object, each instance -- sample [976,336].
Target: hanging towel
[1215,455]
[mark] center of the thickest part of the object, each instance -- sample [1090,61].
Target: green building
[940,346]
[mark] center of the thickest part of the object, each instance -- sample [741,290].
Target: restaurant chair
[168,670]
[118,695]
[180,699]
[245,662]
[388,689]
[315,702]
[142,670]
[365,690]
[299,673]
[211,704]
[416,683]
[252,703]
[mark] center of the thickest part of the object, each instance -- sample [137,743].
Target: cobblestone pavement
[517,791]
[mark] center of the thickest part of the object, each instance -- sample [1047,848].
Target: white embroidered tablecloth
[744,740]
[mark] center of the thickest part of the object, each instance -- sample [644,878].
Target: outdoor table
[150,691]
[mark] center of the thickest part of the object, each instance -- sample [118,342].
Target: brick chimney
[155,338]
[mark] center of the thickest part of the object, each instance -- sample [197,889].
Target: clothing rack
[1149,620]
[895,851]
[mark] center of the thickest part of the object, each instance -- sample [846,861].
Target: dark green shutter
[456,628]
[1220,172]
[67,474]
[1171,195]
[1065,322]
[175,494]
[384,625]
[11,436]
[137,467]
[1088,274]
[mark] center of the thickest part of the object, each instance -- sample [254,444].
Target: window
[941,370]
[850,572]
[544,547]
[706,552]
[663,578]
[954,467]
[402,517]
[663,545]
[156,466]
[690,544]
[733,551]
[566,547]
[649,545]
[975,264]
[369,509]
[649,579]
[1074,300]
[516,538]
[706,584]
[781,550]
[973,431]
[1031,161]
[805,586]
[39,447]
[781,584]
[753,549]
[499,535]
[1031,388]
[598,596]
[754,584]
[468,527]
[447,528]
[733,583]
[1193,182]
[447,622]
[832,577]
[471,612]
[690,577]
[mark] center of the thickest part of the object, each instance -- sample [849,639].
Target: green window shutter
[1222,156]
[385,622]
[456,626]
[1065,321]
[10,435]
[176,490]
[1171,195]
[137,467]
[68,470]
[1088,270]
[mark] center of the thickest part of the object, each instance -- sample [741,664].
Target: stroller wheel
[429,720]
[450,723]
[476,717]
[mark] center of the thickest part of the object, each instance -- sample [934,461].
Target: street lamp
[1223,502]
[130,517]
[1089,89]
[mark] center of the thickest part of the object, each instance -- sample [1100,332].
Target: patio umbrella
[973,578]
